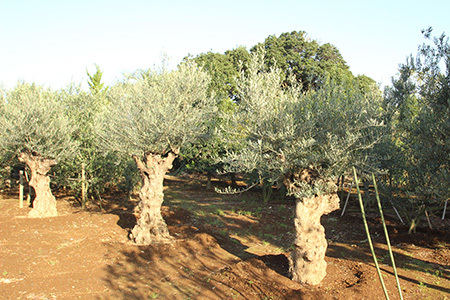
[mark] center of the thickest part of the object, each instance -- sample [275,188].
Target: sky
[55,42]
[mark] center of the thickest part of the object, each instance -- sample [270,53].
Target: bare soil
[224,247]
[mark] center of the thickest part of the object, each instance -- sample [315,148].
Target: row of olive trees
[76,130]
[283,134]
[45,128]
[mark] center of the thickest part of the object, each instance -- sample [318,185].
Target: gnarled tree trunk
[151,227]
[307,261]
[44,205]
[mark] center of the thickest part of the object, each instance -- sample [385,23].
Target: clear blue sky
[53,42]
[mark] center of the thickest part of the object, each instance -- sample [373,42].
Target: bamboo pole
[388,242]
[369,239]
[21,189]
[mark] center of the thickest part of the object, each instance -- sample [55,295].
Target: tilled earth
[223,248]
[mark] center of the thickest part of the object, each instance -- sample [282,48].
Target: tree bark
[307,260]
[44,205]
[151,227]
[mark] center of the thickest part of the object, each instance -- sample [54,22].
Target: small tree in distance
[96,86]
[151,117]
[303,140]
[35,126]
[89,165]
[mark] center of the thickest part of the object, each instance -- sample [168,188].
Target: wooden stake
[21,189]
[445,210]
[83,186]
[29,189]
[428,219]
[396,212]
[369,239]
[346,201]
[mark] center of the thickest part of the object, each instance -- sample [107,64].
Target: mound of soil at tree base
[86,255]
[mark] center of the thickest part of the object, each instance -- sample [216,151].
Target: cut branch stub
[151,227]
[44,205]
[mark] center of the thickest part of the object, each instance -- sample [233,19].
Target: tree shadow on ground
[192,215]
[193,267]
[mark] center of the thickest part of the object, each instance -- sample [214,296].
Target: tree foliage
[287,130]
[89,172]
[223,69]
[300,61]
[305,59]
[158,112]
[201,155]
[96,86]
[419,116]
[35,120]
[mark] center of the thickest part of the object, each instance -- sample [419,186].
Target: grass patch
[245,213]
[220,212]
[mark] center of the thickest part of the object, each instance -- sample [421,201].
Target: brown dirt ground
[223,248]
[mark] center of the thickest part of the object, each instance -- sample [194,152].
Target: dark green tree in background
[305,59]
[223,69]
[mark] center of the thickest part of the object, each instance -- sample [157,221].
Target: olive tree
[303,140]
[151,117]
[34,125]
[418,106]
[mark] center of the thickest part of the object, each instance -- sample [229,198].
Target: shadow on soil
[196,266]
[207,261]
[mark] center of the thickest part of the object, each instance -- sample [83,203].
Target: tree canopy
[308,61]
[223,69]
[35,120]
[285,131]
[157,112]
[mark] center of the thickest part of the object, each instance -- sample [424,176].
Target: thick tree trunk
[151,227]
[44,205]
[307,261]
